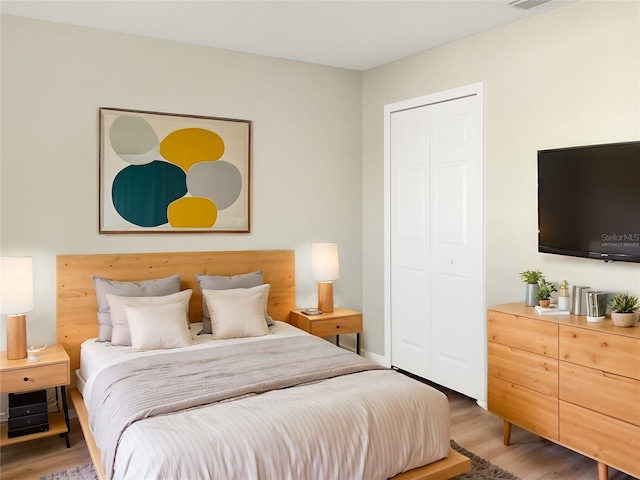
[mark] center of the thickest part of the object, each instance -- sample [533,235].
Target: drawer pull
[26,379]
[337,326]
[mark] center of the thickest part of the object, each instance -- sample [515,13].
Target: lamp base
[16,337]
[325,297]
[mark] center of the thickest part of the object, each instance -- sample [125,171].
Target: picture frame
[173,173]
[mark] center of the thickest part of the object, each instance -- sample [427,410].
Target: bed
[283,404]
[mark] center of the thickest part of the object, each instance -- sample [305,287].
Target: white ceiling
[357,35]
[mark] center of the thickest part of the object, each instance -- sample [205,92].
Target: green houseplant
[625,308]
[531,276]
[531,279]
[545,289]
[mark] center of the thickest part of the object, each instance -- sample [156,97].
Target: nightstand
[338,322]
[52,371]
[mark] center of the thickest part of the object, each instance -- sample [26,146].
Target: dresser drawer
[337,326]
[523,333]
[603,392]
[34,378]
[603,351]
[536,372]
[600,437]
[530,410]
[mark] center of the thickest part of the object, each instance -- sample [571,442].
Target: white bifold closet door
[436,251]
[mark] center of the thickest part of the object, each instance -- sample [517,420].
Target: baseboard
[374,357]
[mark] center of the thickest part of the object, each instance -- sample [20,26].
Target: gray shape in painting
[219,181]
[134,140]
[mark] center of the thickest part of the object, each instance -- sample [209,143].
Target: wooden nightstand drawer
[340,321]
[338,326]
[34,378]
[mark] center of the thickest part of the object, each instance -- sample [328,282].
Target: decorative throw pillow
[120,334]
[156,327]
[146,288]
[236,313]
[219,282]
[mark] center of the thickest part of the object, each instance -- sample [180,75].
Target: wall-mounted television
[589,201]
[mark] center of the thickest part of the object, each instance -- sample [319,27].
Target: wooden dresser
[570,381]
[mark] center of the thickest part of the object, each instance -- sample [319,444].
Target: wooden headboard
[77,307]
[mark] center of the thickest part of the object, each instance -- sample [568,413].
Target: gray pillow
[220,282]
[146,288]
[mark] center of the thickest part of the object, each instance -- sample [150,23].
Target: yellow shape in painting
[192,212]
[191,145]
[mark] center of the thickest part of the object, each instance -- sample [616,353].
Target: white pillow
[242,292]
[120,334]
[238,312]
[155,327]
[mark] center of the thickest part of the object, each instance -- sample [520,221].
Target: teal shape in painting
[142,193]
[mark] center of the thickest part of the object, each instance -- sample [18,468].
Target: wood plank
[453,465]
[83,418]
[57,425]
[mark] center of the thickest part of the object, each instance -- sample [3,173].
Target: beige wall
[306,180]
[567,77]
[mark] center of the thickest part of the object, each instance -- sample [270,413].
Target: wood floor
[528,457]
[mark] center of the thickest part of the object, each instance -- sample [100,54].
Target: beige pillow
[238,312]
[263,290]
[145,288]
[220,282]
[155,327]
[120,334]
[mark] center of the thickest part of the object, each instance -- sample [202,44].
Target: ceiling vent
[527,4]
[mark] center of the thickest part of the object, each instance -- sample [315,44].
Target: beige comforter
[240,418]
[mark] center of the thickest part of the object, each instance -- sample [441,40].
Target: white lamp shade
[324,262]
[16,285]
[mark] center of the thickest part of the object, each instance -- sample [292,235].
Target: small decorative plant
[545,289]
[624,303]
[625,308]
[531,276]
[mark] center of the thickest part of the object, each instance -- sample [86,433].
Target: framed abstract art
[171,173]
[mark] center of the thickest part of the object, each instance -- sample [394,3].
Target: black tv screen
[589,201]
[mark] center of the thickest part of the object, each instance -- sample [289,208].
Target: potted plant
[531,279]
[625,308]
[545,289]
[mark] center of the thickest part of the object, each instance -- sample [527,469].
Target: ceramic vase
[624,319]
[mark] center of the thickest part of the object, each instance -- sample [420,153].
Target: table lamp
[325,269]
[16,299]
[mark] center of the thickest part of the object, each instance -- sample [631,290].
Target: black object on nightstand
[27,413]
